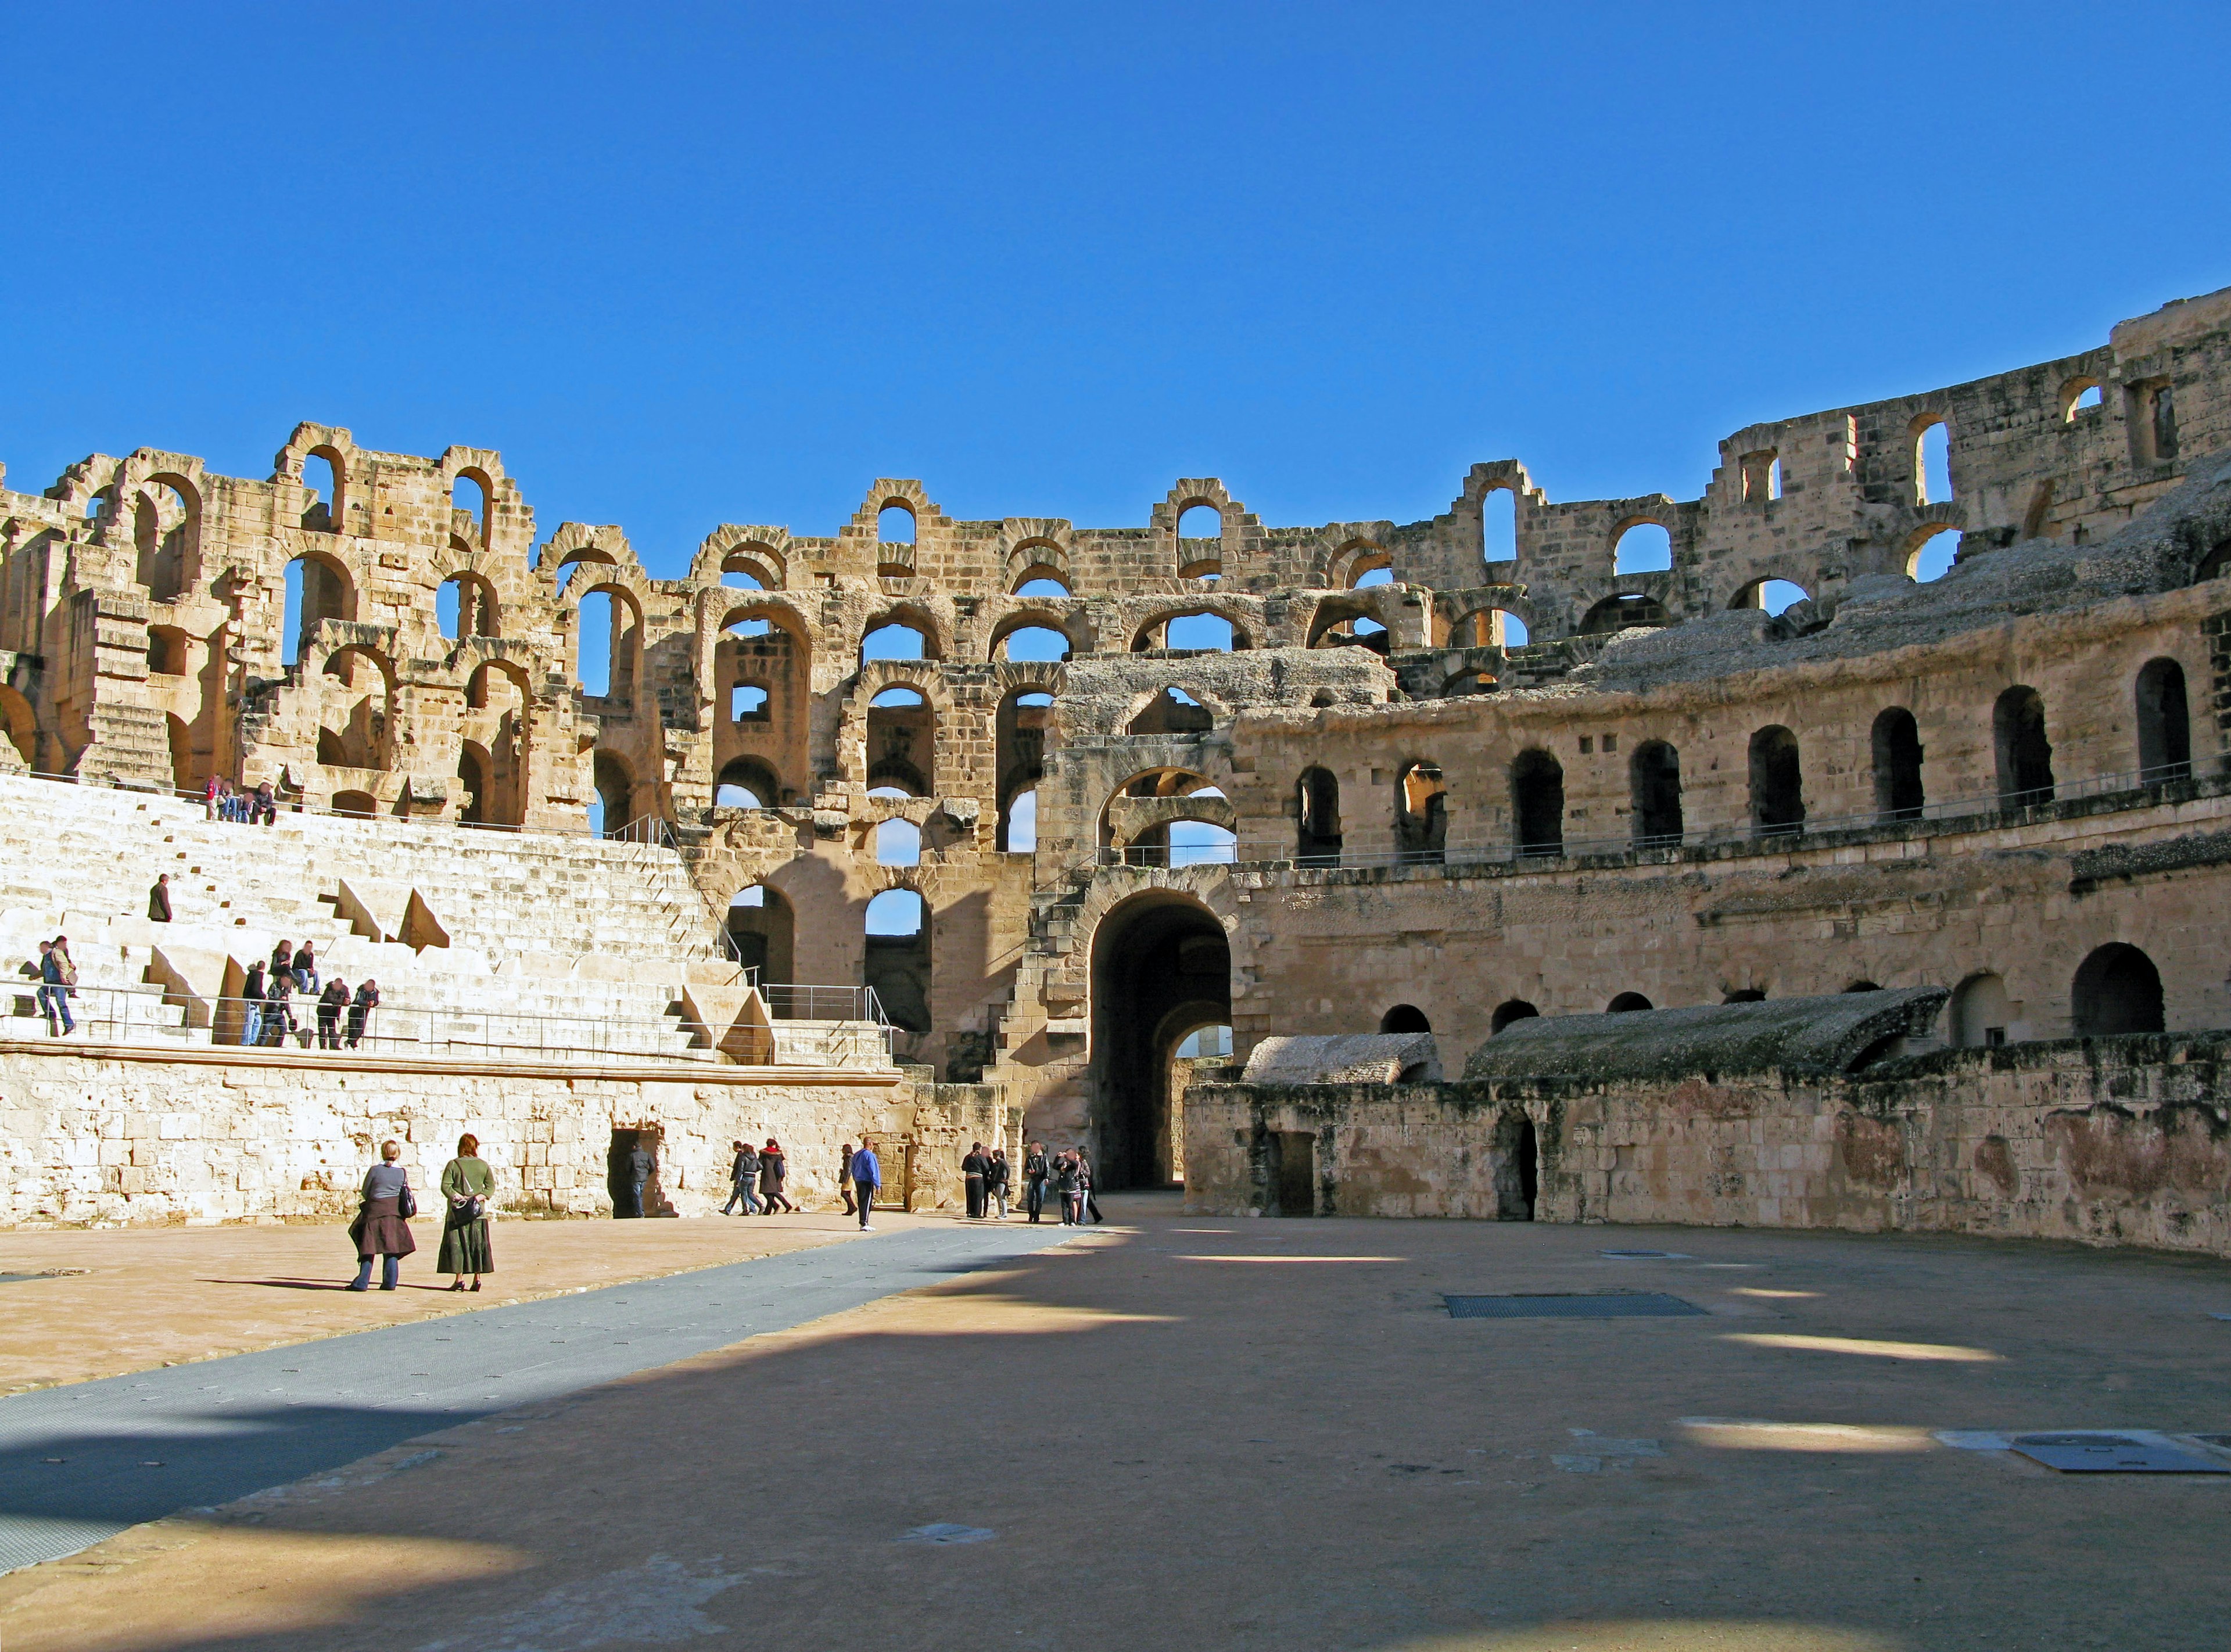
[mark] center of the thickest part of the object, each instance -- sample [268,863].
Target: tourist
[360,1008]
[643,1165]
[971,1178]
[743,1170]
[1035,1171]
[1065,1183]
[774,1170]
[331,1003]
[867,1182]
[844,1176]
[467,1185]
[251,1005]
[56,977]
[1086,1205]
[213,796]
[306,969]
[267,805]
[158,900]
[382,1227]
[278,1017]
[283,958]
[995,1181]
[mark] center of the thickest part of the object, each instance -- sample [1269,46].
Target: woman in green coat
[467,1185]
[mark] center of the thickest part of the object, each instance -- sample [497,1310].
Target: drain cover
[1620,1304]
[2110,1454]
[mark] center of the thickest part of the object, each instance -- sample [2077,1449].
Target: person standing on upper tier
[158,900]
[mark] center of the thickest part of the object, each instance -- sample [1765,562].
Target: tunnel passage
[1161,968]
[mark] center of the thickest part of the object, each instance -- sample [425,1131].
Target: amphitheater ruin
[943,830]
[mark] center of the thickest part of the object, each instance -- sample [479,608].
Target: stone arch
[625,661]
[362,734]
[2117,990]
[1022,619]
[480,610]
[936,643]
[477,532]
[328,592]
[1158,621]
[1333,612]
[1354,558]
[578,542]
[753,774]
[763,553]
[1035,550]
[735,607]
[338,449]
[860,728]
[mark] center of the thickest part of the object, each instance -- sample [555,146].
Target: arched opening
[897,640]
[902,741]
[1200,842]
[614,809]
[167,651]
[1198,632]
[2117,990]
[159,536]
[608,632]
[1041,582]
[894,523]
[317,588]
[1031,644]
[1537,803]
[1932,461]
[752,566]
[1020,730]
[898,843]
[471,516]
[1777,785]
[1655,792]
[1405,1018]
[1421,812]
[356,711]
[1161,969]
[1526,1170]
[1509,1011]
[763,928]
[1498,524]
[2079,395]
[742,577]
[1488,627]
[1980,1015]
[1200,543]
[746,783]
[1897,745]
[1864,986]
[1774,596]
[2164,723]
[472,786]
[1202,1046]
[1316,810]
[325,476]
[465,606]
[1626,1003]
[1171,712]
[1931,552]
[2025,755]
[1616,614]
[356,805]
[1643,547]
[1019,824]
[897,961]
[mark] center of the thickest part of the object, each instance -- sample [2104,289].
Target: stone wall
[2106,1141]
[125,1136]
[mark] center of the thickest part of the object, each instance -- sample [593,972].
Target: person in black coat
[1036,1171]
[972,1171]
[743,1170]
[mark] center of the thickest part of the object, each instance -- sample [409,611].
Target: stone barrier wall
[2120,1140]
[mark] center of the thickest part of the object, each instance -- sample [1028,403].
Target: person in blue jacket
[867,1180]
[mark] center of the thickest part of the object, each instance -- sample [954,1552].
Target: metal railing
[154,1015]
[793,1001]
[1973,806]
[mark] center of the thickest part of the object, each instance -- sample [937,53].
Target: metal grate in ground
[1608,1304]
[2110,1454]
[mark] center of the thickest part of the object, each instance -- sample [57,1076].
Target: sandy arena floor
[1187,1433]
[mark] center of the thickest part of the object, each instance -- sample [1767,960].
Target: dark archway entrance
[1160,967]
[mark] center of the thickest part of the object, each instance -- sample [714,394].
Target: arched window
[1042,585]
[895,641]
[1980,1015]
[1201,631]
[1654,788]
[1644,547]
[2025,755]
[1498,524]
[901,744]
[166,651]
[746,783]
[465,606]
[598,618]
[1033,643]
[1019,826]
[614,809]
[1317,800]
[2117,990]
[1421,819]
[1626,1003]
[1621,613]
[893,699]
[763,929]
[894,523]
[1933,552]
[2079,395]
[897,964]
[2164,723]
[1537,803]
[160,519]
[742,579]
[898,843]
[317,589]
[1777,788]
[1200,522]
[1897,745]
[468,498]
[1200,842]
[1932,461]
[1405,1018]
[1509,1011]
[1775,596]
[322,473]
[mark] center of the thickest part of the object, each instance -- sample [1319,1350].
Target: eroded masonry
[1089,808]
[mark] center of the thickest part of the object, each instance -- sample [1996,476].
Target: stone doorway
[619,1175]
[1161,969]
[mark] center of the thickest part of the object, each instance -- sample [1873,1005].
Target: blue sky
[687,264]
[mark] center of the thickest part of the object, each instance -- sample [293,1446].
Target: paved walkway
[80,1464]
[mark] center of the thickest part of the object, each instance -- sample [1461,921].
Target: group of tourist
[57,985]
[756,1175]
[1068,1175]
[267,1002]
[259,807]
[382,1229]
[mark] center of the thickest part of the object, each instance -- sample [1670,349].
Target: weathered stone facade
[1988,784]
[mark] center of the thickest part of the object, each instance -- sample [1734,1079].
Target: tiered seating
[533,942]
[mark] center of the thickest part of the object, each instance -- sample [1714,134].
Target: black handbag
[406,1203]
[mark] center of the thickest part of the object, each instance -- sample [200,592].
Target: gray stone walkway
[80,1464]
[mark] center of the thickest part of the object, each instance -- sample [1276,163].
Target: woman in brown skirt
[467,1185]
[379,1229]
